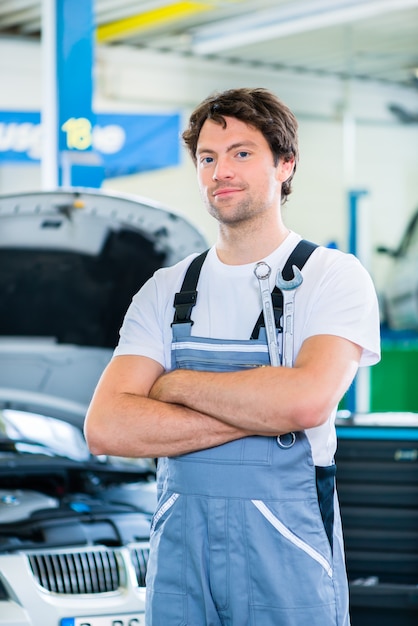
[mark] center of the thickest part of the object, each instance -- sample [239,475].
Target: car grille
[87,571]
[139,557]
[91,570]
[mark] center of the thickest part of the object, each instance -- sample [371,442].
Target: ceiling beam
[289,19]
[15,6]
[169,13]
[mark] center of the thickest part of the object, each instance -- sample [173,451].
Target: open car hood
[70,262]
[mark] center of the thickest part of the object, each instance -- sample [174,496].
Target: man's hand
[164,387]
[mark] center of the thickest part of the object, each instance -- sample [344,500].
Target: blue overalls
[247,533]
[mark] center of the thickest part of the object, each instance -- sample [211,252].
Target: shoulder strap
[185,299]
[298,257]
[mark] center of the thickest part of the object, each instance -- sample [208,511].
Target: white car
[74,528]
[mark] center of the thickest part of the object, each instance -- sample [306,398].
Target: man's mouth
[224,191]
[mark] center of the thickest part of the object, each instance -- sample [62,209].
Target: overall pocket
[166,565]
[290,560]
[166,578]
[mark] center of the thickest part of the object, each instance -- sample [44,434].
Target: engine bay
[63,504]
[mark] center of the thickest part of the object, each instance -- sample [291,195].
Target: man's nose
[223,170]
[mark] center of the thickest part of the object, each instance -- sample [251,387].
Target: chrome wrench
[288,289]
[262,271]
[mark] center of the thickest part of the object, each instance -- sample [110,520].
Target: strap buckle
[184,302]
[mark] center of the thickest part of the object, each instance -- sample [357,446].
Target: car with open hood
[74,527]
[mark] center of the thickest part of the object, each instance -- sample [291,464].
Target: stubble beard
[244,212]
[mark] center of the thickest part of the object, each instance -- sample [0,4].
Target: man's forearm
[175,429]
[143,427]
[233,397]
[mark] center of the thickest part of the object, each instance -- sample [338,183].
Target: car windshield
[33,433]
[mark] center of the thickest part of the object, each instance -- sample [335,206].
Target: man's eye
[243,153]
[207,159]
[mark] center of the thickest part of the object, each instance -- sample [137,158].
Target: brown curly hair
[259,108]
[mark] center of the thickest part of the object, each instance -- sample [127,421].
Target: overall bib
[247,533]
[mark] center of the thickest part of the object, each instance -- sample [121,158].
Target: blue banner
[125,143]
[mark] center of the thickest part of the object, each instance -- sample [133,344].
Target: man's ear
[285,168]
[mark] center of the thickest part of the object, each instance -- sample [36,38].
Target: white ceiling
[371,40]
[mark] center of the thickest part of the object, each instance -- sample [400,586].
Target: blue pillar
[358,396]
[354,198]
[69,27]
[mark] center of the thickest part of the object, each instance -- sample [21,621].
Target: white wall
[377,154]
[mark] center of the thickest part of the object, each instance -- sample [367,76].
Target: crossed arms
[139,411]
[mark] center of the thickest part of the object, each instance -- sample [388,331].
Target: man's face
[237,177]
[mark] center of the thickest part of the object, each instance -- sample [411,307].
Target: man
[247,530]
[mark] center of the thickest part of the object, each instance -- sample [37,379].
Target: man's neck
[239,248]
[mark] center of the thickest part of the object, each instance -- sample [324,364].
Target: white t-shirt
[337,297]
